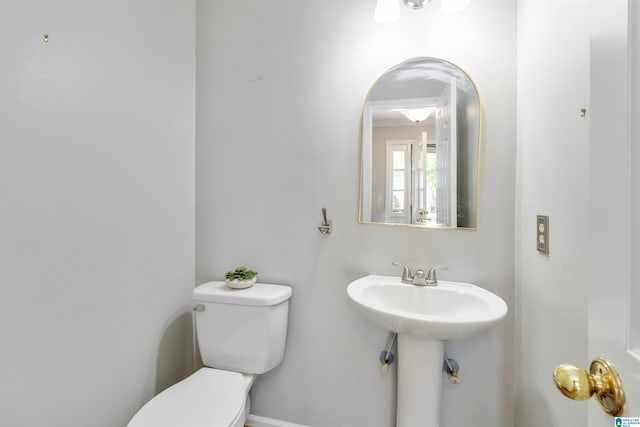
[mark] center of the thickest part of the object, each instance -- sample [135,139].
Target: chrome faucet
[419,278]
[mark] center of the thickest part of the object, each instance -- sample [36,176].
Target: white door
[614,140]
[446,155]
[419,180]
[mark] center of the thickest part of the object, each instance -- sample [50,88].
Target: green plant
[240,273]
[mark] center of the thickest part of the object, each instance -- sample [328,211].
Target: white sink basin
[447,311]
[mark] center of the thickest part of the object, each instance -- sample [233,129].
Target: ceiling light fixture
[415,4]
[389,10]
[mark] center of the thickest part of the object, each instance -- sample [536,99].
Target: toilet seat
[208,398]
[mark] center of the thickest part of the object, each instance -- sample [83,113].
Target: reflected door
[446,152]
[421,202]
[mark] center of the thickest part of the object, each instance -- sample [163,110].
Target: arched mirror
[421,146]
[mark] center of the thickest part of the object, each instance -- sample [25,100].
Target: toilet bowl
[241,334]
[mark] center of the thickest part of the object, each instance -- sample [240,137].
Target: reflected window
[398,185]
[412,181]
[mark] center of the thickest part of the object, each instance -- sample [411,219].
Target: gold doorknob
[602,380]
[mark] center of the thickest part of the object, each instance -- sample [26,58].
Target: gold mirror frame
[471,119]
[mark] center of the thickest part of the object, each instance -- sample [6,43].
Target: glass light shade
[454,5]
[417,114]
[387,11]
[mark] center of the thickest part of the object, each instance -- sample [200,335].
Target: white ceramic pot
[241,284]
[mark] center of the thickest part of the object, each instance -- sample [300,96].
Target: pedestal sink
[424,317]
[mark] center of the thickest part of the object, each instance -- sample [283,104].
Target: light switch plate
[542,233]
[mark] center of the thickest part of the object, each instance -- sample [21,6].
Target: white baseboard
[258,421]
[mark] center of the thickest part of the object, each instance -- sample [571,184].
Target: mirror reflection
[420,147]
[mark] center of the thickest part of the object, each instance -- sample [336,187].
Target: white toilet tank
[242,330]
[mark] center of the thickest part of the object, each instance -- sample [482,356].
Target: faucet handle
[431,275]
[406,272]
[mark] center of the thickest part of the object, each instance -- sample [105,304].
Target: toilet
[241,334]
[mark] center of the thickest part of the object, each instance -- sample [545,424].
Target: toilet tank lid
[258,294]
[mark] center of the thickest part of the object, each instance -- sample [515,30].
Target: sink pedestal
[419,382]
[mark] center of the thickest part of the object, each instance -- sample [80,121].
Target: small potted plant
[241,278]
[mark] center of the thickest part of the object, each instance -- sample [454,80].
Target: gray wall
[294,83]
[96,207]
[553,179]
